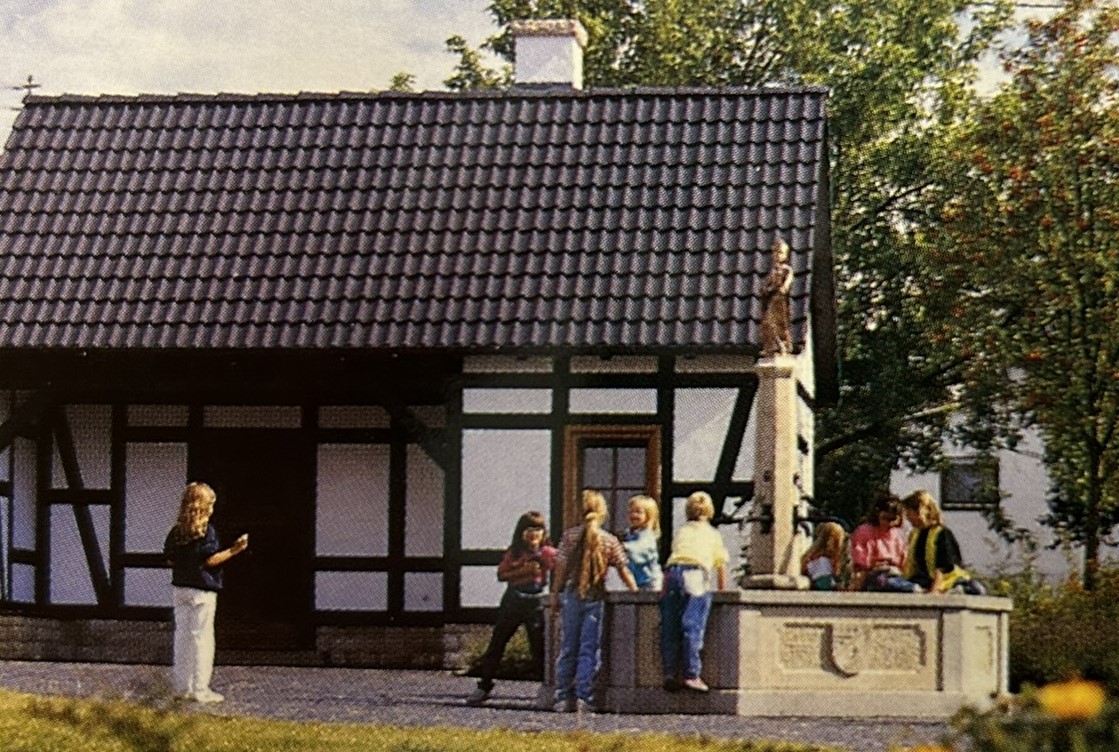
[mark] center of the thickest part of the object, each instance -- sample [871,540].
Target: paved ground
[432,698]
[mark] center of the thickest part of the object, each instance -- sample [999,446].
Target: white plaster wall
[156,476]
[147,587]
[91,426]
[423,591]
[70,580]
[158,415]
[351,591]
[612,401]
[699,431]
[353,416]
[24,489]
[479,587]
[505,473]
[1024,485]
[23,583]
[351,517]
[251,416]
[423,524]
[5,454]
[512,401]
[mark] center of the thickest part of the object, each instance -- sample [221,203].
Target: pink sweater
[870,545]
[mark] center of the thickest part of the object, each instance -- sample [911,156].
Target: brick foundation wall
[33,638]
[89,640]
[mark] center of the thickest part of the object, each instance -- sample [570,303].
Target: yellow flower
[1072,700]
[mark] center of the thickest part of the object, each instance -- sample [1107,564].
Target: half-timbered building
[381,326]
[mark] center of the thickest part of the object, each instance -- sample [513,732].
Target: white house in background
[1023,487]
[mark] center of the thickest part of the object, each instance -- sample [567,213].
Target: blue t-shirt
[188,561]
[644,556]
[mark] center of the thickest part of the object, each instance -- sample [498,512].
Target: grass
[30,723]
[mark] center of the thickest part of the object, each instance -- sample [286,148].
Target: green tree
[403,82]
[1030,237]
[901,77]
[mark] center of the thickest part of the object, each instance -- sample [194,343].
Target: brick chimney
[548,53]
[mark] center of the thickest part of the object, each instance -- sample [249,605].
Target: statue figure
[776,319]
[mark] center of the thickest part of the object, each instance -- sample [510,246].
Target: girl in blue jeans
[697,553]
[586,552]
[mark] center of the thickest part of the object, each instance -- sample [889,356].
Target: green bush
[1062,630]
[1070,716]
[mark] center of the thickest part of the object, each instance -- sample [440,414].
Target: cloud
[170,46]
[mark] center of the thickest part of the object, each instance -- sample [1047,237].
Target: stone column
[775,548]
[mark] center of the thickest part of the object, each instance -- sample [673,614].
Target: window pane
[598,467]
[631,466]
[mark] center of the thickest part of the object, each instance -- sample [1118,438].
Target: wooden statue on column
[776,320]
[775,547]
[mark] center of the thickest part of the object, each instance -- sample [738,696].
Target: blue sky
[247,46]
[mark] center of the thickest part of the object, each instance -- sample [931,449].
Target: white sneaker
[208,696]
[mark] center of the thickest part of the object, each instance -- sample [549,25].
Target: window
[619,461]
[970,483]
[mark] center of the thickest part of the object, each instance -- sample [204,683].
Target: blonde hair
[925,506]
[648,505]
[828,541]
[589,555]
[699,506]
[194,512]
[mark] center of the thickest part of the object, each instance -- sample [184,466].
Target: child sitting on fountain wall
[933,559]
[878,549]
[697,553]
[823,562]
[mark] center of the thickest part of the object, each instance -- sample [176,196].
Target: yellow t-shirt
[697,542]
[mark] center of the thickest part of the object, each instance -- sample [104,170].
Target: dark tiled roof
[635,218]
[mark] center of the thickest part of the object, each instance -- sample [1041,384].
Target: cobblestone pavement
[435,698]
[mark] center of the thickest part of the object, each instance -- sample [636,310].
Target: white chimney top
[549,52]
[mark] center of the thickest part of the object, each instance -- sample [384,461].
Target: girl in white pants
[195,556]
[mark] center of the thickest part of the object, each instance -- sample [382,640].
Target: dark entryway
[264,484]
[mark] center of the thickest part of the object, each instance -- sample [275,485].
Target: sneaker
[208,696]
[585,707]
[478,697]
[696,684]
[565,705]
[671,684]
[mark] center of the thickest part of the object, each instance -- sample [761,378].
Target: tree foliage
[1029,237]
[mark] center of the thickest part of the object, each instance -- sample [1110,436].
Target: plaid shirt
[612,548]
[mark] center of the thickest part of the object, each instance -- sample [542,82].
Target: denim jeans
[580,650]
[683,622]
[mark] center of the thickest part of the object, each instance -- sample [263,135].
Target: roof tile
[636,218]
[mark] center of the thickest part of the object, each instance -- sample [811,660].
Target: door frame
[576,437]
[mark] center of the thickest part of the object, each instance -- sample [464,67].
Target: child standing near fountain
[586,552]
[524,569]
[697,554]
